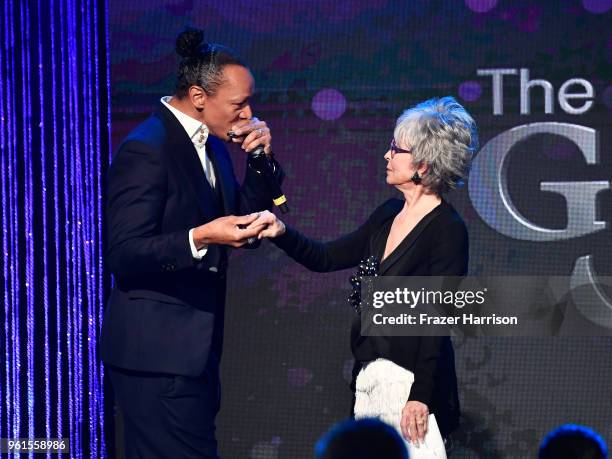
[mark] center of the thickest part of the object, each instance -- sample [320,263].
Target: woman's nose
[388,155]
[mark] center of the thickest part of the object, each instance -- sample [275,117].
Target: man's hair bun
[201,63]
[189,41]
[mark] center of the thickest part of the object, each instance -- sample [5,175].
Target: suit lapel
[187,161]
[408,241]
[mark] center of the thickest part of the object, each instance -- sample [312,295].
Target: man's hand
[271,225]
[252,133]
[415,416]
[230,230]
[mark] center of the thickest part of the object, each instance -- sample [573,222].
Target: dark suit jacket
[165,311]
[437,246]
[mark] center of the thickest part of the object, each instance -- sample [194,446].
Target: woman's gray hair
[442,135]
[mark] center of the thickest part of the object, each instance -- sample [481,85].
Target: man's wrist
[201,237]
[197,250]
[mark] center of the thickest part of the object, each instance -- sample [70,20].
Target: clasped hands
[236,231]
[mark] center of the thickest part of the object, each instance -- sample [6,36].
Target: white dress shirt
[198,133]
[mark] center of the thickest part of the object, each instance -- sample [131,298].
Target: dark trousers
[167,416]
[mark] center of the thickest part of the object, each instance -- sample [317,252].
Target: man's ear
[197,97]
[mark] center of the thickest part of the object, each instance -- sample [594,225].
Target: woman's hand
[272,226]
[414,421]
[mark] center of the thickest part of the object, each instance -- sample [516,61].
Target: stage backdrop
[332,77]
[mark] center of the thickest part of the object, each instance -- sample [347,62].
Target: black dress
[437,246]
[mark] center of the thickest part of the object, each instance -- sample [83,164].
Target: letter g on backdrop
[488,191]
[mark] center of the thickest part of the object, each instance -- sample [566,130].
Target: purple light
[597,6]
[5,252]
[481,6]
[470,91]
[28,211]
[89,229]
[62,62]
[45,247]
[56,233]
[14,228]
[329,104]
[299,376]
[73,224]
[66,155]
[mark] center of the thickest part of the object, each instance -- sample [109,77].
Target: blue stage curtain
[54,140]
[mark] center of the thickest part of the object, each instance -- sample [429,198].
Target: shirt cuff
[195,253]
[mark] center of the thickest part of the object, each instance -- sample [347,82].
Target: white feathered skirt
[382,390]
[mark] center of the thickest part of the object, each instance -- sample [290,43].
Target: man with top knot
[174,206]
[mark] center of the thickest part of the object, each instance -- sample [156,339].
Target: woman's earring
[416,178]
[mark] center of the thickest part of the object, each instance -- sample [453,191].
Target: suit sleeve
[254,194]
[137,188]
[449,257]
[342,253]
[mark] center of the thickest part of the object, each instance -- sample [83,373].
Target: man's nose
[246,113]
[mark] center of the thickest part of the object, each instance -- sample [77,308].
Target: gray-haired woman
[403,380]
